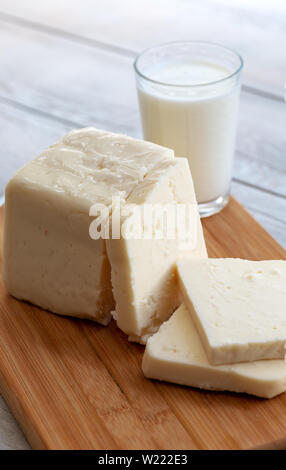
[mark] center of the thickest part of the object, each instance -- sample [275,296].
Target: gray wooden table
[68,63]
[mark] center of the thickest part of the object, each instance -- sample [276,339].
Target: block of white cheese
[238,306]
[143,271]
[175,354]
[49,258]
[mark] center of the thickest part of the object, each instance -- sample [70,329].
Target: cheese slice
[175,354]
[143,271]
[49,258]
[238,306]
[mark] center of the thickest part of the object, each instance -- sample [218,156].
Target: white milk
[198,122]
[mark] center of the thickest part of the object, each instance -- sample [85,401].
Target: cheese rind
[175,354]
[49,258]
[143,271]
[238,306]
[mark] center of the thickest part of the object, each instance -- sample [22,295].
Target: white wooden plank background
[68,63]
[257,30]
[85,90]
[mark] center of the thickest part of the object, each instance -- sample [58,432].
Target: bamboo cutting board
[72,384]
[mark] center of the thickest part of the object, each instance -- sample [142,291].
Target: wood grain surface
[67,63]
[73,384]
[255,29]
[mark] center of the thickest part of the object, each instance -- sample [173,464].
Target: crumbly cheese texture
[175,354]
[238,306]
[143,271]
[49,258]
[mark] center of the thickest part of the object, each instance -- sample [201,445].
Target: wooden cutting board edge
[19,411]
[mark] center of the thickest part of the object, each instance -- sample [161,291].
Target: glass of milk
[189,96]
